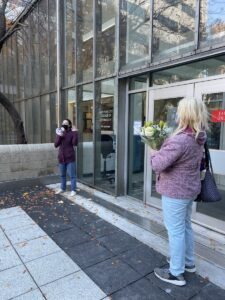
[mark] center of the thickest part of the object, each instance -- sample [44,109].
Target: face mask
[65,127]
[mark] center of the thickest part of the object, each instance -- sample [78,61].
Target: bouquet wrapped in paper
[154,134]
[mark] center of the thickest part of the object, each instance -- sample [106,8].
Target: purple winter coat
[177,165]
[66,145]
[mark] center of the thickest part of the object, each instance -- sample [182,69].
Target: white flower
[149,131]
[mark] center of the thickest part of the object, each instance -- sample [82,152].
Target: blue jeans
[69,168]
[177,219]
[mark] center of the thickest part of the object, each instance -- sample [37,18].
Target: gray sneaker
[189,269]
[165,275]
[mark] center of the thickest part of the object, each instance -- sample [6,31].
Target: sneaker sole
[175,282]
[192,270]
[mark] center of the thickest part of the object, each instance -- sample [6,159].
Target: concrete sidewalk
[52,248]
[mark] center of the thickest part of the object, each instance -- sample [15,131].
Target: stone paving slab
[77,286]
[210,292]
[51,267]
[18,221]
[112,275]
[34,249]
[99,228]
[70,238]
[8,258]
[194,284]
[20,235]
[11,212]
[140,290]
[143,259]
[89,253]
[14,282]
[119,242]
[34,295]
[3,240]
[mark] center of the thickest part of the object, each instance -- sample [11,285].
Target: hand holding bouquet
[155,134]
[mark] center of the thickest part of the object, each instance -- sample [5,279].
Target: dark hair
[70,123]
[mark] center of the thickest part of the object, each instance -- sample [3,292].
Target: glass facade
[105,135]
[212,22]
[173,27]
[135,31]
[101,41]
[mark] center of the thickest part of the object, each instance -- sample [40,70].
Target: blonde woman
[177,165]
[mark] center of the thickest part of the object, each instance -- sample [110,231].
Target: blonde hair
[192,113]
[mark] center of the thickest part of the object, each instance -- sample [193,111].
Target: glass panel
[201,69]
[105,39]
[70,42]
[212,22]
[138,82]
[14,67]
[20,64]
[137,117]
[173,27]
[84,49]
[216,140]
[52,42]
[53,116]
[85,127]
[43,40]
[35,65]
[72,105]
[29,121]
[27,57]
[45,119]
[105,136]
[36,120]
[164,110]
[134,31]
[11,70]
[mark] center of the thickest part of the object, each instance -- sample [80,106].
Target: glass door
[136,149]
[162,106]
[213,93]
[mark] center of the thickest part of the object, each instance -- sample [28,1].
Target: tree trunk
[18,123]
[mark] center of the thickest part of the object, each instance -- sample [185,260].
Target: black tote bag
[209,191]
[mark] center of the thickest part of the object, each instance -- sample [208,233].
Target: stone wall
[27,161]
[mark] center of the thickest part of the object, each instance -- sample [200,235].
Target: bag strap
[208,161]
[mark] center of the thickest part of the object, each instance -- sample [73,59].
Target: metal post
[58,75]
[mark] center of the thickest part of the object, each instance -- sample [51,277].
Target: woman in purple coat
[66,140]
[177,166]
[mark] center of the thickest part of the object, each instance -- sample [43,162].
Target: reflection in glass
[52,42]
[105,136]
[137,117]
[20,65]
[105,37]
[135,31]
[35,65]
[138,82]
[85,128]
[43,41]
[173,27]
[84,49]
[164,110]
[201,69]
[53,115]
[71,102]
[70,42]
[216,140]
[26,37]
[212,22]
[45,119]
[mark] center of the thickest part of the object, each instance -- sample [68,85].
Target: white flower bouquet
[155,134]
